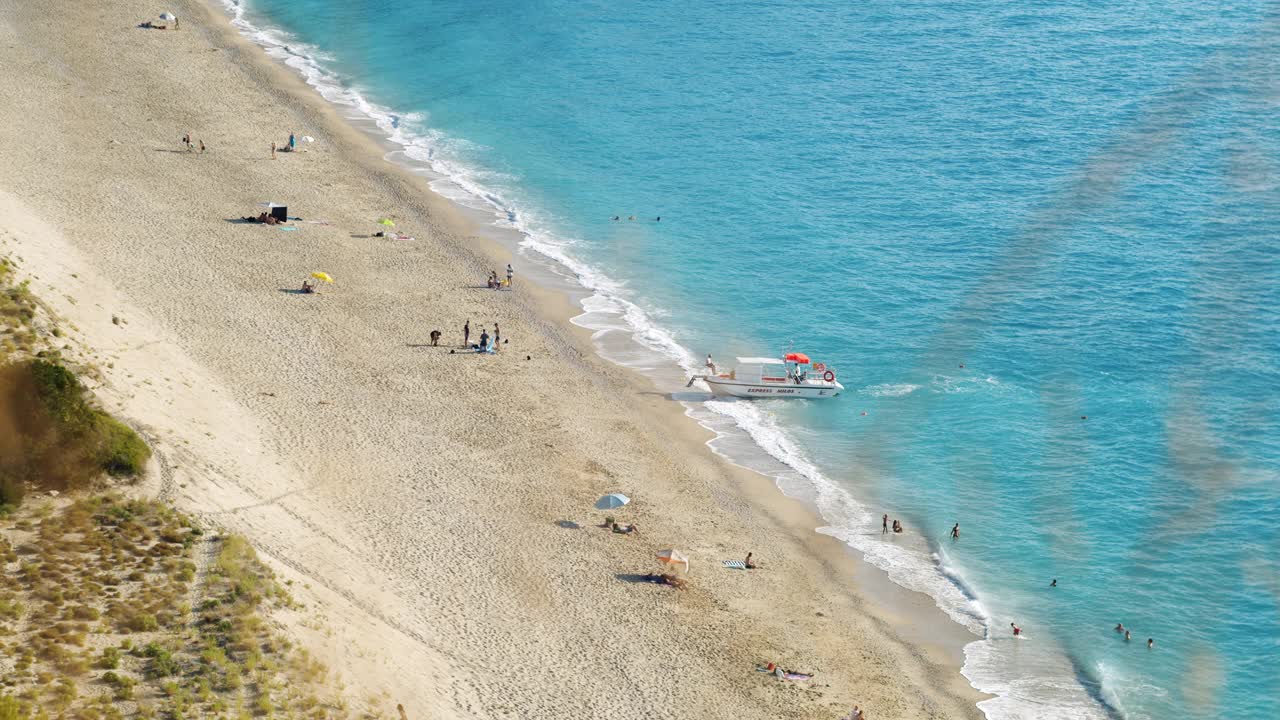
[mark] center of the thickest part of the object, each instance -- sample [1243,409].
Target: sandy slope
[426,498]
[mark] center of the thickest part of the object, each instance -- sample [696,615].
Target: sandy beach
[433,508]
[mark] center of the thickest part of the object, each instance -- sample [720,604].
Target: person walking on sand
[201,147]
[273,149]
[884,524]
[466,334]
[293,142]
[510,274]
[435,338]
[955,531]
[497,334]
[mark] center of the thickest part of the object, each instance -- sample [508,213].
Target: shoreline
[937,662]
[559,298]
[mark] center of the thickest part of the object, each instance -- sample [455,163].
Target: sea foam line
[606,309]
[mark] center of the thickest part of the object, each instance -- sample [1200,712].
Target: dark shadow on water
[568,525]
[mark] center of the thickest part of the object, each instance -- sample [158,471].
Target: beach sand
[434,509]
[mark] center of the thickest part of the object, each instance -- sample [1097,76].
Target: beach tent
[673,557]
[168,16]
[279,212]
[611,501]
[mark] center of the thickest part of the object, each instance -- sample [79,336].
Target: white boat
[793,376]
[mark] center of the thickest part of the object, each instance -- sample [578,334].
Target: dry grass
[96,616]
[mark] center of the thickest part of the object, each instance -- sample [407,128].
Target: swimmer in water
[1119,627]
[955,531]
[1151,643]
[1054,583]
[1016,630]
[1126,636]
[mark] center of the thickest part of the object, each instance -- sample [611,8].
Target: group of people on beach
[291,147]
[497,283]
[485,343]
[186,142]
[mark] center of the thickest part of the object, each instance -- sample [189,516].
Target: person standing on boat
[710,365]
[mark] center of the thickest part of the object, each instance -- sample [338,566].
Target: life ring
[829,376]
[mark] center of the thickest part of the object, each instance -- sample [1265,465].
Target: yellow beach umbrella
[322,276]
[385,221]
[673,557]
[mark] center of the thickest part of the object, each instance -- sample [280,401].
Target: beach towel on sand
[735,564]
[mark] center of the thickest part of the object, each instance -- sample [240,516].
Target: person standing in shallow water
[884,524]
[955,531]
[466,333]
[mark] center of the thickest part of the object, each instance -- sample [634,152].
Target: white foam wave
[889,390]
[747,433]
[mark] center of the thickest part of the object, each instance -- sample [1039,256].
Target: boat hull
[724,387]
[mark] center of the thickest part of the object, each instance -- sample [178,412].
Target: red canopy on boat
[797,358]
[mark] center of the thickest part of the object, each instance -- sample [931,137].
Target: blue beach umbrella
[611,501]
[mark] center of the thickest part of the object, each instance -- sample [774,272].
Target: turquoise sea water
[995,219]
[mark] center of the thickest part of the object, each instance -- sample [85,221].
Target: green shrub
[110,659]
[123,453]
[51,435]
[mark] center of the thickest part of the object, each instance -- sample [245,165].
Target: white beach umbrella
[168,16]
[611,501]
[674,557]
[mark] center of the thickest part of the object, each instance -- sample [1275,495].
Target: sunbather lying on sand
[264,218]
[626,529]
